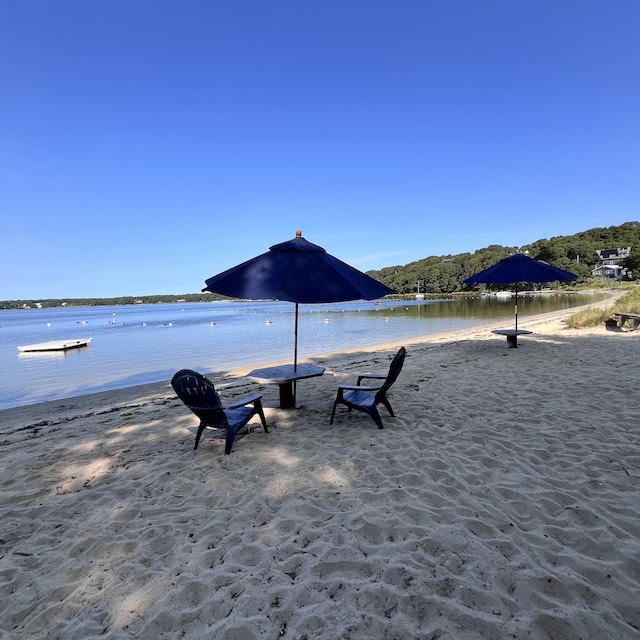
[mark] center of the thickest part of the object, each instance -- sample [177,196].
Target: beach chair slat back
[394,371]
[200,395]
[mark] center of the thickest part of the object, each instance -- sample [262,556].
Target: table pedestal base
[512,336]
[287,397]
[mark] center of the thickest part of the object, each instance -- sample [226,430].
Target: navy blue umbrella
[296,271]
[519,268]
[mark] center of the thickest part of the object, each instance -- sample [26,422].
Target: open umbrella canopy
[519,268]
[296,271]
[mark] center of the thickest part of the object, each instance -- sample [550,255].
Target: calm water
[138,344]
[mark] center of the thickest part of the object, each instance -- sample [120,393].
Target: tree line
[575,253]
[121,300]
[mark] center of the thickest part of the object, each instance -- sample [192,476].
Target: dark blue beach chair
[199,395]
[367,399]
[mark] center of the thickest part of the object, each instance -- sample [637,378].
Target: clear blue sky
[146,145]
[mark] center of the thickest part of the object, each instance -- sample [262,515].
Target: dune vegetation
[629,303]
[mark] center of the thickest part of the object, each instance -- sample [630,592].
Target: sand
[502,501]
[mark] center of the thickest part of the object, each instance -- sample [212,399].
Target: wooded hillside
[576,253]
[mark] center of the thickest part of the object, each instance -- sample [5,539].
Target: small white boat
[55,345]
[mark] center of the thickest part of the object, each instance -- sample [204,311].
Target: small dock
[55,345]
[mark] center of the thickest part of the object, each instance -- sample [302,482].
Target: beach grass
[594,316]
[588,318]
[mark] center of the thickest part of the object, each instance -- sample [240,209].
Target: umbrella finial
[298,234]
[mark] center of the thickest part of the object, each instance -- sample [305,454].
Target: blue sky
[148,145]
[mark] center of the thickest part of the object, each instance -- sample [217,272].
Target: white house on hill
[607,270]
[613,256]
[608,260]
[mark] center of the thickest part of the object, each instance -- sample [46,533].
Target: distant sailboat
[419,296]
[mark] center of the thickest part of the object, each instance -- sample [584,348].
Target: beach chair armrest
[256,398]
[372,376]
[354,387]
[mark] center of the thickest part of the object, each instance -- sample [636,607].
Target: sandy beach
[502,501]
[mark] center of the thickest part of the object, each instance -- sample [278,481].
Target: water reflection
[481,308]
[494,308]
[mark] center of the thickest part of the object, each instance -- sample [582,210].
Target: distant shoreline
[189,298]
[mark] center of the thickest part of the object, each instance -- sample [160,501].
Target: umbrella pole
[295,344]
[516,306]
[295,355]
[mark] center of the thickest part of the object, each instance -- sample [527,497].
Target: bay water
[139,344]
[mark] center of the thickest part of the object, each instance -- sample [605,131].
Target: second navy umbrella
[519,268]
